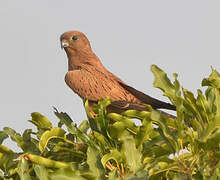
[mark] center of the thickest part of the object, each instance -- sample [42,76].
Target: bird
[88,78]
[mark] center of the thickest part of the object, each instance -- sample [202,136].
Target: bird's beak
[64,43]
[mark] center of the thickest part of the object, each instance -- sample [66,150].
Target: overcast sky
[128,36]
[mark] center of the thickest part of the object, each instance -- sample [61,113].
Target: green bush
[158,148]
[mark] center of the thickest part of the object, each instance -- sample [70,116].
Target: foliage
[159,148]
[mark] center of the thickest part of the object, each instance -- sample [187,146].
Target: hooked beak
[64,43]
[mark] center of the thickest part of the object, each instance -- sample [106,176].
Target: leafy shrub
[159,148]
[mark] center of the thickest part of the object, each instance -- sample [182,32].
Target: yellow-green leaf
[49,134]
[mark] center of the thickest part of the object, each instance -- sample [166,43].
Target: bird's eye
[74,38]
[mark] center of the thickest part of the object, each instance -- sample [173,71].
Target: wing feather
[155,103]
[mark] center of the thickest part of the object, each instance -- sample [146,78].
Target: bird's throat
[79,59]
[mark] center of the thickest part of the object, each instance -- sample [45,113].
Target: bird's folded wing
[156,104]
[124,105]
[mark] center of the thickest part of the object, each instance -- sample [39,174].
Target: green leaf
[45,161]
[118,130]
[5,150]
[102,141]
[136,114]
[113,175]
[84,126]
[41,172]
[6,159]
[14,136]
[113,155]
[102,120]
[211,127]
[204,107]
[48,135]
[190,104]
[128,123]
[65,119]
[144,131]
[94,162]
[211,142]
[87,109]
[217,171]
[210,96]
[217,101]
[3,136]
[30,144]
[138,176]
[65,174]
[213,80]
[131,153]
[23,169]
[165,131]
[162,82]
[40,121]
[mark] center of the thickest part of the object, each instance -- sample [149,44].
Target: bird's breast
[96,85]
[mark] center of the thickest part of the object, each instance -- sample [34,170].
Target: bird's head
[74,42]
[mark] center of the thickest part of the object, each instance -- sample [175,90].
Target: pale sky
[128,36]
